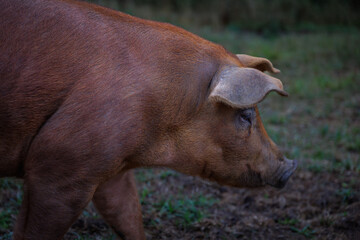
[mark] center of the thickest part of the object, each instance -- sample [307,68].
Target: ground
[318,124]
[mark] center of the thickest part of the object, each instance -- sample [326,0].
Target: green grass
[293,224]
[347,192]
[5,219]
[9,208]
[168,173]
[144,193]
[184,210]
[289,221]
[305,231]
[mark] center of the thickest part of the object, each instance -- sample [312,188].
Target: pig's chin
[245,181]
[280,180]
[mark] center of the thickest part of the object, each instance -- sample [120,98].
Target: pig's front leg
[117,201]
[49,208]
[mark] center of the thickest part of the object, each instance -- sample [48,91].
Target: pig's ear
[243,87]
[259,63]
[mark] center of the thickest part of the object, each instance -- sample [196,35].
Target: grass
[5,219]
[185,211]
[293,225]
[180,208]
[306,231]
[346,192]
[10,202]
[289,221]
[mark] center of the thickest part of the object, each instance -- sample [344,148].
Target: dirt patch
[321,206]
[312,205]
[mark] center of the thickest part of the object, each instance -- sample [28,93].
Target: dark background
[259,15]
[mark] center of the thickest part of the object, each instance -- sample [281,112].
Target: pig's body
[108,83]
[88,93]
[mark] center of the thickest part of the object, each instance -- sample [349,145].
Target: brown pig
[88,93]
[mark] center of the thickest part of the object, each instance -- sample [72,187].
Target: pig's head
[226,141]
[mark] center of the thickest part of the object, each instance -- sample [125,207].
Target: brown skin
[88,93]
[118,202]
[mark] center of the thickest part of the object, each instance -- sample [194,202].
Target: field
[318,124]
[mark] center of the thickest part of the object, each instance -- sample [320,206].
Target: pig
[88,94]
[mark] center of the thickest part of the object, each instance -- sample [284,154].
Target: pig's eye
[246,116]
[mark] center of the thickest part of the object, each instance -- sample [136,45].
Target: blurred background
[260,16]
[316,45]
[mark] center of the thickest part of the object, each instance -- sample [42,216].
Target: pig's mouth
[284,177]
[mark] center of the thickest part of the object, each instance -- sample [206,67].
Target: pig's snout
[281,179]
